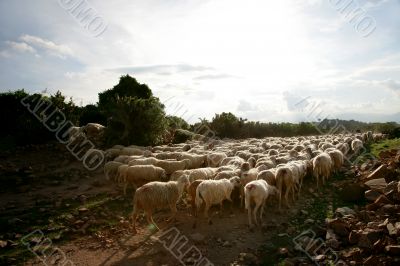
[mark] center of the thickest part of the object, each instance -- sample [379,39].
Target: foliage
[175,122]
[182,136]
[136,121]
[387,144]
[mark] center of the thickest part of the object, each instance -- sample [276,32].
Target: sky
[286,60]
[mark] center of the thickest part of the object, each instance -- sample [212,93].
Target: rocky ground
[353,220]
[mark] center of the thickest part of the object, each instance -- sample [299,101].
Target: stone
[283,252]
[319,258]
[376,184]
[354,236]
[368,237]
[391,186]
[352,192]
[197,237]
[372,195]
[343,211]
[371,261]
[391,229]
[82,210]
[309,221]
[226,244]
[389,208]
[340,227]
[378,173]
[382,200]
[248,258]
[393,249]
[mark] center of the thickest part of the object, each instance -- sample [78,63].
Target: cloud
[213,76]
[21,47]
[161,69]
[58,50]
[245,106]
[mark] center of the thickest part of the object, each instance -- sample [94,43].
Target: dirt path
[94,230]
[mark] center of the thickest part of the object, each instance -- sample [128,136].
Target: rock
[319,258]
[248,258]
[372,195]
[393,249]
[303,212]
[309,221]
[391,186]
[340,227]
[283,252]
[226,244]
[354,236]
[379,172]
[345,211]
[389,209]
[371,261]
[382,200]
[372,207]
[352,192]
[83,210]
[368,237]
[197,237]
[3,243]
[377,184]
[391,229]
[383,224]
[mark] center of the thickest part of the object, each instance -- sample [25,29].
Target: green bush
[182,136]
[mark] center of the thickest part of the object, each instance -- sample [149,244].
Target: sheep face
[235,181]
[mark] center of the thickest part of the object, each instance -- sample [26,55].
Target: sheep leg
[149,218]
[125,185]
[249,217]
[262,208]
[255,212]
[287,197]
[174,211]
[206,213]
[134,217]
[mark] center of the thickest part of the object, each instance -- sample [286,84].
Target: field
[88,217]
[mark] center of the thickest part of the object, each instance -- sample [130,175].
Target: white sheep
[258,192]
[322,166]
[202,173]
[337,159]
[111,169]
[155,195]
[138,175]
[268,176]
[215,192]
[356,145]
[284,183]
[173,166]
[227,174]
[214,159]
[196,160]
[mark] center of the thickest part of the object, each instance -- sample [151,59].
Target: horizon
[200,59]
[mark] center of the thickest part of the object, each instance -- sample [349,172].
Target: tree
[134,116]
[226,125]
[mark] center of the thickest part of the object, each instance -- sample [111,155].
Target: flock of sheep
[251,170]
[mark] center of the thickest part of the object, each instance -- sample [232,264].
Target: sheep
[127,158]
[111,169]
[154,195]
[284,183]
[138,175]
[356,145]
[196,161]
[173,166]
[252,162]
[175,175]
[192,194]
[258,192]
[202,173]
[143,161]
[215,192]
[227,174]
[322,165]
[337,159]
[214,159]
[245,178]
[131,151]
[268,176]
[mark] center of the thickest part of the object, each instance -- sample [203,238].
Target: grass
[384,145]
